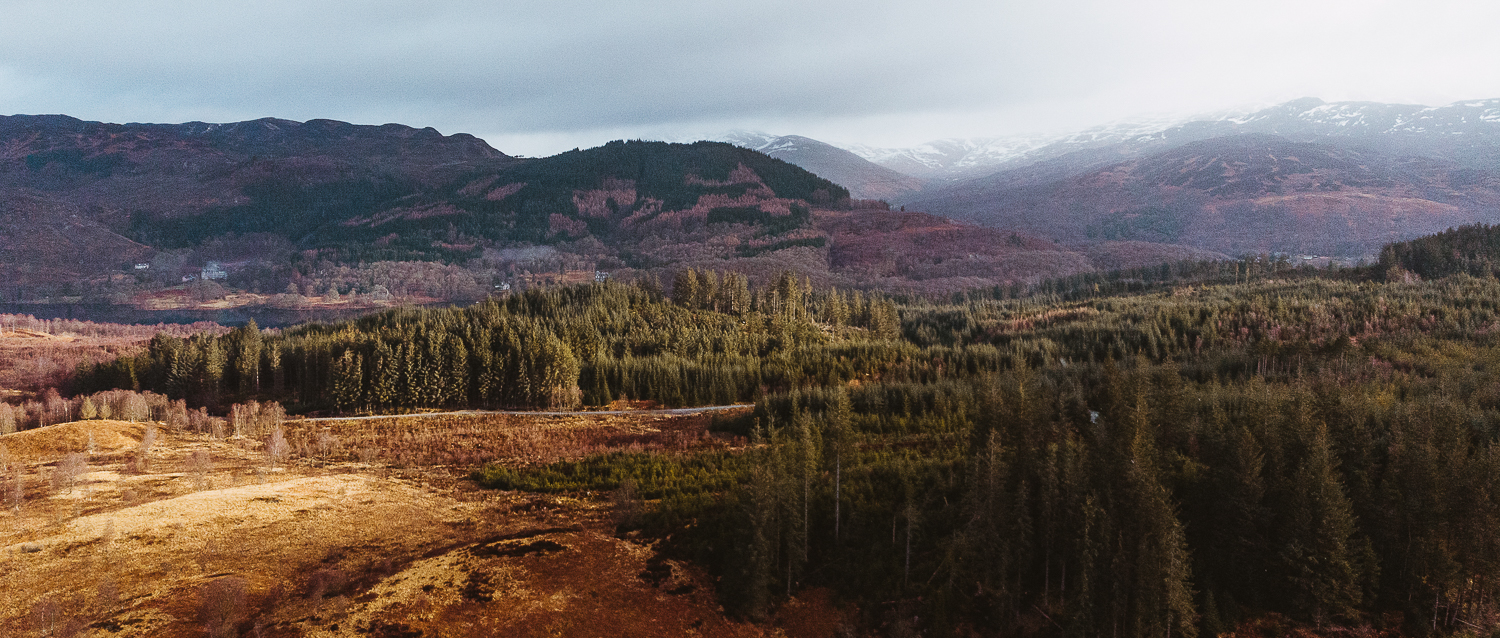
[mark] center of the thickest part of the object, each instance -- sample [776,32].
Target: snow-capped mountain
[1305,177]
[960,158]
[1397,126]
[864,179]
[1314,116]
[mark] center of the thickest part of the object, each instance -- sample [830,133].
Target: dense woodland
[716,341]
[1170,463]
[1173,452]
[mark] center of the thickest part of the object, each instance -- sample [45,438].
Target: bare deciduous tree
[327,443]
[135,408]
[16,492]
[68,470]
[277,447]
[627,505]
[177,415]
[143,452]
[46,615]
[200,464]
[221,605]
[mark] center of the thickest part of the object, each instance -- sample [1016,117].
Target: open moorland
[358,528]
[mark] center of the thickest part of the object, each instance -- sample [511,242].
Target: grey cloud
[555,69]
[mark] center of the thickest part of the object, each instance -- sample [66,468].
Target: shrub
[67,471]
[221,605]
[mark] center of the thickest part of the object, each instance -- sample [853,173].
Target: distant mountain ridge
[75,194]
[1248,193]
[864,179]
[1393,126]
[364,192]
[117,213]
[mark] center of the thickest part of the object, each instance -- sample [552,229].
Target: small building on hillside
[600,276]
[212,270]
[143,266]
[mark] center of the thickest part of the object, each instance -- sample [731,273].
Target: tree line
[705,343]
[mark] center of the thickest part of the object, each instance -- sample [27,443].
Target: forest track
[655,412]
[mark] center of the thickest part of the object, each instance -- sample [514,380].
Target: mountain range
[118,211]
[1308,177]
[85,206]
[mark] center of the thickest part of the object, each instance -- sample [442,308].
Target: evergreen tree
[685,288]
[347,378]
[1322,580]
[247,358]
[384,376]
[456,377]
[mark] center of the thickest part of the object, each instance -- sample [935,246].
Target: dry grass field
[369,528]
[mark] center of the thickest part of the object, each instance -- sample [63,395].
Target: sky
[539,77]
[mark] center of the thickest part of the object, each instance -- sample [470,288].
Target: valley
[1186,383]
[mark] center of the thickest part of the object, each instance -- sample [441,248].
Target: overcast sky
[535,78]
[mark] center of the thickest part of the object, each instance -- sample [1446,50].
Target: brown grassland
[368,528]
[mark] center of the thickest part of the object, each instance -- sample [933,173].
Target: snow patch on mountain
[1304,119]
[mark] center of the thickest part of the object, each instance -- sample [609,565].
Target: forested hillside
[1472,250]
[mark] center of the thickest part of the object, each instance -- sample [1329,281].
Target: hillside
[277,217]
[79,199]
[1237,194]
[112,212]
[863,178]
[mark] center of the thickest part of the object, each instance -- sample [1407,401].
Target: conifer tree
[212,374]
[384,376]
[456,377]
[1322,579]
[278,373]
[708,290]
[247,358]
[347,380]
[685,288]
